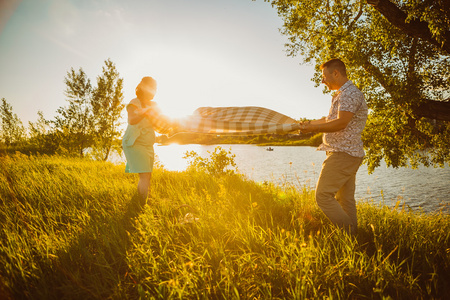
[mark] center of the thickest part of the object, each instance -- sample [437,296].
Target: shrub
[220,161]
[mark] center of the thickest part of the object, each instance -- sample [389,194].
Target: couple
[342,130]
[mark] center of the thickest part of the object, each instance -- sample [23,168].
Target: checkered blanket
[246,120]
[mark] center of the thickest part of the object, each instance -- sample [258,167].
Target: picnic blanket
[245,120]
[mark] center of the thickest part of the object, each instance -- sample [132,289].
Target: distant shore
[267,140]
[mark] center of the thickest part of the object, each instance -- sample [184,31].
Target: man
[335,191]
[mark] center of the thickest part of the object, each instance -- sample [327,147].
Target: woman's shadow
[95,266]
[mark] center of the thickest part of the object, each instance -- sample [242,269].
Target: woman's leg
[144,185]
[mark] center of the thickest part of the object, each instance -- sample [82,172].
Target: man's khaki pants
[335,191]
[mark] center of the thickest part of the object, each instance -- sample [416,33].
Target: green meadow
[74,229]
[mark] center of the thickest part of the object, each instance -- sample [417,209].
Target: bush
[219,163]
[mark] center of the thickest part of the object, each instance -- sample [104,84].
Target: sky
[201,52]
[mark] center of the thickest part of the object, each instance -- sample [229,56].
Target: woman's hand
[135,115]
[142,111]
[151,111]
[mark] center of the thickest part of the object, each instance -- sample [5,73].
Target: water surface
[422,188]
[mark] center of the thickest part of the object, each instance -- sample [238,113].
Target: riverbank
[422,189]
[72,229]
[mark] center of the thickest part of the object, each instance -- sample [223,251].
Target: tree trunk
[438,110]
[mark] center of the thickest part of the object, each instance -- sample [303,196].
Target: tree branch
[412,59]
[438,110]
[377,74]
[350,27]
[415,28]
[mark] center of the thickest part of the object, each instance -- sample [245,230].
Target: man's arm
[318,121]
[322,125]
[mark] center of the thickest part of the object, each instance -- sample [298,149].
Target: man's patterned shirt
[347,98]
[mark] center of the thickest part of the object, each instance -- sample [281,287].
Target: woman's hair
[147,84]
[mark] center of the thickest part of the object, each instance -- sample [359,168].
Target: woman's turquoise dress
[138,143]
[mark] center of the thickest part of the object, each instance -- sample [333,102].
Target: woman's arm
[135,115]
[161,123]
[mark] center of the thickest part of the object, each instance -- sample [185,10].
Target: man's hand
[306,127]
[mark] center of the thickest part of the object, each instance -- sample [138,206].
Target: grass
[73,229]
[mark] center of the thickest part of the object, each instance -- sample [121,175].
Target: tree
[12,130]
[74,122]
[428,19]
[107,105]
[42,138]
[402,70]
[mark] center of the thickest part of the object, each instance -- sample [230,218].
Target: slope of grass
[73,229]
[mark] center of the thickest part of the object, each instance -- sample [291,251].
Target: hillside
[73,229]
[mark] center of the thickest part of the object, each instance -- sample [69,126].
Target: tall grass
[73,229]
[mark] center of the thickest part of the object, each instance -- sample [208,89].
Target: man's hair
[335,64]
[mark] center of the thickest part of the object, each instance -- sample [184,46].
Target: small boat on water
[269,149]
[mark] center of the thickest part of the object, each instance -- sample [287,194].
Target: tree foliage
[397,54]
[41,137]
[90,121]
[107,105]
[12,130]
[74,121]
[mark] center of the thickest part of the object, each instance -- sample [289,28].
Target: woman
[139,136]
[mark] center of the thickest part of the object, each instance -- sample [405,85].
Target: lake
[422,188]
